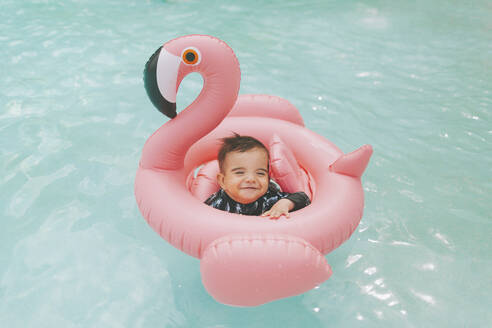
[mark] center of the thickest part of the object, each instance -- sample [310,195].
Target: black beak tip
[168,109]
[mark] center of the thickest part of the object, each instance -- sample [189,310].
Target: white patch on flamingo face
[167,74]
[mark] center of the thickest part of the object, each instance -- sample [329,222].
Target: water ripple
[23,199]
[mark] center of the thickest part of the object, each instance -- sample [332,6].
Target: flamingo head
[168,66]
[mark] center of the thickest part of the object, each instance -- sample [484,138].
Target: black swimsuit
[220,200]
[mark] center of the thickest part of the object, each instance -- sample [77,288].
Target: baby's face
[245,175]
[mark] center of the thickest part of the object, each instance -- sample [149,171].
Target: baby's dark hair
[238,143]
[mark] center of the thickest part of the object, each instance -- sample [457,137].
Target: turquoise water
[412,78]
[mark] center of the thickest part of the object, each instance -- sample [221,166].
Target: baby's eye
[239,172]
[261,174]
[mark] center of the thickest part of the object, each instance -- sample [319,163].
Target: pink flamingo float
[244,260]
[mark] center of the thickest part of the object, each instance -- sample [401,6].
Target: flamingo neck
[167,147]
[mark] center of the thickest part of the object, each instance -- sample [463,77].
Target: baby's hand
[282,207]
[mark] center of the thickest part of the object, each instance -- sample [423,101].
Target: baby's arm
[282,207]
[291,202]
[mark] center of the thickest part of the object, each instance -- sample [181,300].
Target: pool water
[411,78]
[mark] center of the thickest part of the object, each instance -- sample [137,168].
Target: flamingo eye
[191,56]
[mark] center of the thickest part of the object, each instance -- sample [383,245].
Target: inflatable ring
[245,260]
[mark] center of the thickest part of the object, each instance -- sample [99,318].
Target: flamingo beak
[160,80]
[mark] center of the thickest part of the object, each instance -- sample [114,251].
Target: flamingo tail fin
[354,163]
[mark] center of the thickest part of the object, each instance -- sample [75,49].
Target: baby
[245,182]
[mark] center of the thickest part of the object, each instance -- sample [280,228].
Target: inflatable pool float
[244,260]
